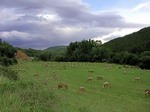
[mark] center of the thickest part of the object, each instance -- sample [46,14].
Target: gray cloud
[71,20]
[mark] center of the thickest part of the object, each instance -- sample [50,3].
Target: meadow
[37,91]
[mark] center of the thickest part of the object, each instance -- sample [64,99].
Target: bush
[145,62]
[130,59]
[146,53]
[10,74]
[60,58]
[117,58]
[14,61]
[4,61]
[45,56]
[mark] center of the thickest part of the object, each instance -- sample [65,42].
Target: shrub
[145,62]
[10,74]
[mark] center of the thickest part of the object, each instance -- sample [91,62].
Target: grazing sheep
[81,89]
[147,91]
[99,78]
[35,74]
[136,79]
[62,85]
[106,85]
[90,79]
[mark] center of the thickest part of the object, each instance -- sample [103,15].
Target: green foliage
[7,72]
[7,54]
[90,51]
[45,56]
[145,62]
[135,43]
[4,61]
[125,58]
[60,58]
[145,53]
[56,52]
[6,50]
[100,54]
[82,51]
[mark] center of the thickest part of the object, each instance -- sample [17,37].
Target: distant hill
[57,50]
[136,42]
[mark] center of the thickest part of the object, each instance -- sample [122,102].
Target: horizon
[43,24]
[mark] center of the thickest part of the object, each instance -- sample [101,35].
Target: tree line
[91,51]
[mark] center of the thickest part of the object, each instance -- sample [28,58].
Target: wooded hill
[136,42]
[57,50]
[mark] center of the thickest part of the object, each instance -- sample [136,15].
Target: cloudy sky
[40,24]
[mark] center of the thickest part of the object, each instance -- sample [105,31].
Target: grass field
[40,93]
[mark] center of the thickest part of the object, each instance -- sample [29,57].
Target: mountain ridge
[135,42]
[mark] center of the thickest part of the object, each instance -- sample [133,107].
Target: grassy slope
[124,95]
[56,49]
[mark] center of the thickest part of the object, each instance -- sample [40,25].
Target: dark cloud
[55,22]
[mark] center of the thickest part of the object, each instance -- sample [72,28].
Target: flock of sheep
[105,85]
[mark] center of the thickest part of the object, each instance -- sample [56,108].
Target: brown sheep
[147,92]
[136,79]
[99,78]
[81,89]
[106,85]
[62,85]
[90,79]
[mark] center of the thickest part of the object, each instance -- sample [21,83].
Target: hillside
[57,50]
[136,42]
[21,55]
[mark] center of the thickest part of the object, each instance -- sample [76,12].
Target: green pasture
[39,93]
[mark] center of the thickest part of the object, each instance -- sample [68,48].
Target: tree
[45,56]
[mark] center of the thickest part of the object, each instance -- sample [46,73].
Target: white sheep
[81,89]
[136,78]
[106,85]
[90,79]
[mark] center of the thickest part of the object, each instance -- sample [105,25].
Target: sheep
[35,74]
[106,85]
[136,79]
[147,91]
[90,79]
[62,85]
[99,78]
[81,89]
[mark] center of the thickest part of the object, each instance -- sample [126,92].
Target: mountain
[136,42]
[57,50]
